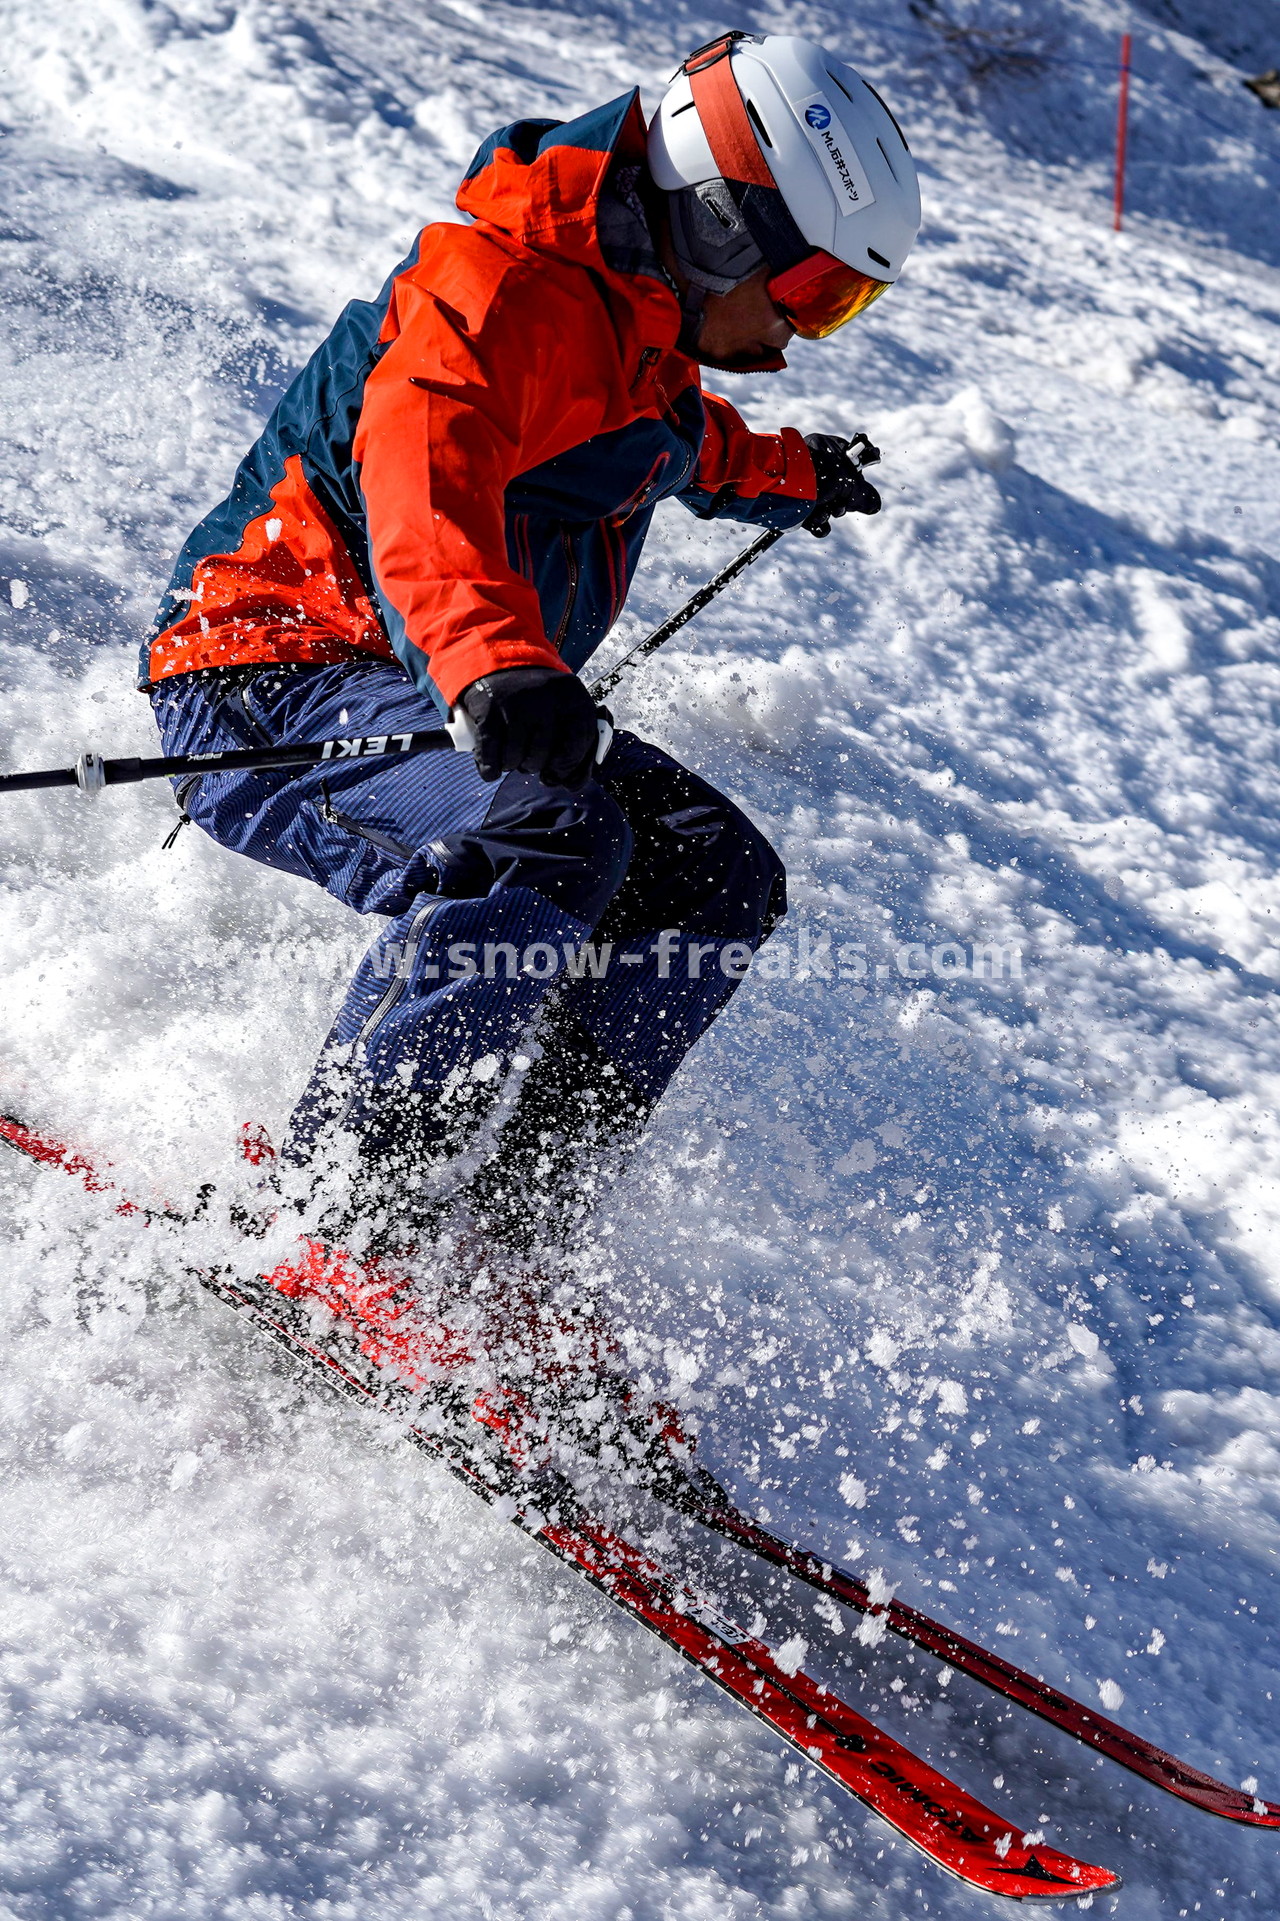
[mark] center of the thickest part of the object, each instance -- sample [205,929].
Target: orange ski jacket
[463,474]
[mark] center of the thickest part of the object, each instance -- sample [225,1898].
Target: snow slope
[974,1282]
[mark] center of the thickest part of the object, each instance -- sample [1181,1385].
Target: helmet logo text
[839,161]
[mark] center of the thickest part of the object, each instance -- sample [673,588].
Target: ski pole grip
[463,734]
[460,731]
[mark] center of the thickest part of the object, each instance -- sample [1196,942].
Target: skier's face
[738,330]
[742,326]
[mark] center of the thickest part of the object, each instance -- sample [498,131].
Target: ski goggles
[820,293]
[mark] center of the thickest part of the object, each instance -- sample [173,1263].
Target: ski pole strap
[91,773]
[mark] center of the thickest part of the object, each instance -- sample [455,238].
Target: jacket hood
[540,180]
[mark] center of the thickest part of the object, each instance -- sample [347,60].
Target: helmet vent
[686,108]
[888,163]
[889,110]
[758,123]
[879,259]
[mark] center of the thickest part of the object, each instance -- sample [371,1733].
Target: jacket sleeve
[764,479]
[452,412]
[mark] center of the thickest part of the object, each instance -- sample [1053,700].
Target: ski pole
[860,451]
[92,773]
[694,605]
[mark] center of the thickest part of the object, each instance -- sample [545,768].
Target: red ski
[389,1332]
[380,1318]
[378,1348]
[942,1820]
[969,1657]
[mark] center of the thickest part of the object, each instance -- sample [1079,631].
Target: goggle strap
[722,111]
[737,154]
[816,262]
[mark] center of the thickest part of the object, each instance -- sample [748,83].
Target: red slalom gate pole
[1122,127]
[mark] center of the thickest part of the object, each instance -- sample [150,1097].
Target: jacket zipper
[649,358]
[572,569]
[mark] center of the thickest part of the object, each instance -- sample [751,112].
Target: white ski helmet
[814,163]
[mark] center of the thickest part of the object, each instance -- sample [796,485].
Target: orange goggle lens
[821,293]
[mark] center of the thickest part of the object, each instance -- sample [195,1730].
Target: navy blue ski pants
[491,895]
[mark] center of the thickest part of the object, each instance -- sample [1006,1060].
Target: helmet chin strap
[692,313]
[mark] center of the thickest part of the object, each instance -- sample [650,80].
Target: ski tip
[1201,1791]
[52,1153]
[1255,1812]
[1038,1873]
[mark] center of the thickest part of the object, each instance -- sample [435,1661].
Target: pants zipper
[400,979]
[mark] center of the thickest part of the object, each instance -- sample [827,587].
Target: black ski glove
[842,486]
[533,720]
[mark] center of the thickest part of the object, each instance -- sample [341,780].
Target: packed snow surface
[973,1282]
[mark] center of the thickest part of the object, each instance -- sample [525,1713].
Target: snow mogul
[444,512]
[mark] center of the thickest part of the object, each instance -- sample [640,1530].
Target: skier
[444,512]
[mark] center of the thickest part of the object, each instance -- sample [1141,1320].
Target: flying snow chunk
[1111,1695]
[790,1656]
[879,1587]
[882,1349]
[853,1490]
[184,1470]
[1083,1339]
